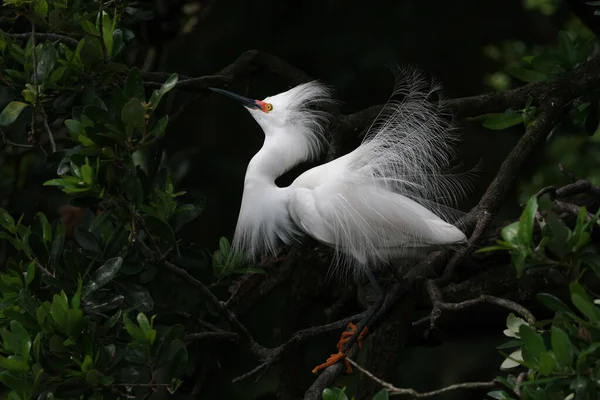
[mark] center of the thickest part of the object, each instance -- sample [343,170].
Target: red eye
[266,107]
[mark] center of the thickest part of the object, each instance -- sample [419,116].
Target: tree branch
[44,36]
[438,305]
[394,391]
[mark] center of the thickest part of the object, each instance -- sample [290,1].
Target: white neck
[264,219]
[281,151]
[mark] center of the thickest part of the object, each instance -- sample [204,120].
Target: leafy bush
[562,355]
[84,310]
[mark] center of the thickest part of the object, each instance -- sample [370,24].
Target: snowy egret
[389,196]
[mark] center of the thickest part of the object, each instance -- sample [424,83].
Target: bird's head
[285,109]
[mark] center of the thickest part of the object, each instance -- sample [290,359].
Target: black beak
[245,101]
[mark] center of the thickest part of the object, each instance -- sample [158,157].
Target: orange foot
[334,358]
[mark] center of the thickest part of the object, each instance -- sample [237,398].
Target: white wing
[370,224]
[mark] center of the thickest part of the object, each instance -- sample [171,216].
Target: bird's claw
[334,358]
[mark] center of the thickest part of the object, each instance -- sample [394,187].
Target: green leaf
[499,121]
[6,220]
[334,393]
[16,340]
[146,328]
[383,394]
[554,303]
[592,260]
[224,246]
[134,331]
[107,33]
[103,275]
[134,86]
[510,232]
[533,345]
[160,127]
[527,221]
[566,47]
[493,248]
[40,8]
[14,364]
[547,363]
[74,126]
[137,296]
[59,310]
[87,364]
[87,174]
[46,228]
[548,63]
[559,235]
[527,75]
[58,243]
[158,227]
[11,112]
[30,273]
[87,240]
[518,261]
[134,113]
[93,377]
[583,302]
[46,59]
[562,347]
[158,94]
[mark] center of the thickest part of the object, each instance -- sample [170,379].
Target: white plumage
[390,195]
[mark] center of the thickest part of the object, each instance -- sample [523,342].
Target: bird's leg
[353,332]
[361,329]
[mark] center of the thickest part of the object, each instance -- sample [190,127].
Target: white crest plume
[393,194]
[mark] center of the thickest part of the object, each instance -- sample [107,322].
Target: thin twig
[101,27]
[240,329]
[44,36]
[49,131]
[24,146]
[394,391]
[192,337]
[438,305]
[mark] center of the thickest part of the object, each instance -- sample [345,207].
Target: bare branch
[394,391]
[253,346]
[44,36]
[439,305]
[101,36]
[192,337]
[49,131]
[240,329]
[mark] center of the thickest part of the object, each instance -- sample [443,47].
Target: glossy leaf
[527,75]
[334,394]
[501,121]
[510,232]
[562,347]
[527,221]
[533,344]
[87,240]
[103,275]
[134,86]
[583,302]
[11,112]
[158,94]
[134,113]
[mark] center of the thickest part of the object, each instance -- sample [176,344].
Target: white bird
[389,196]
